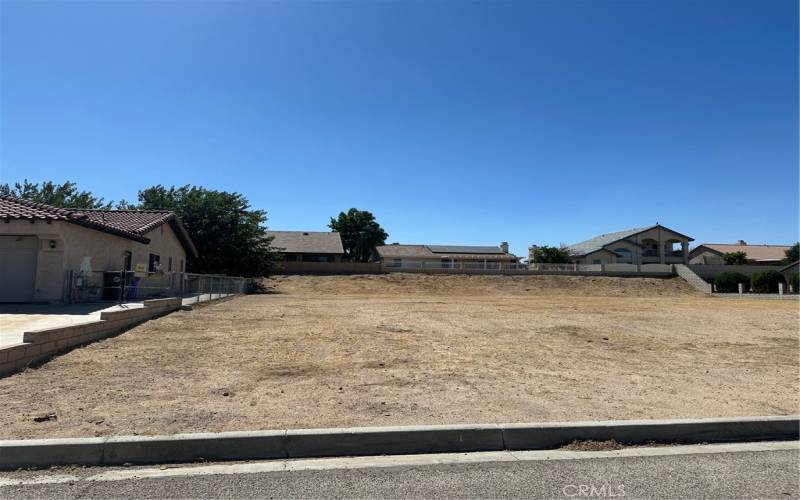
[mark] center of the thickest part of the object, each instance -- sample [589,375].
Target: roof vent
[741,242]
[305,234]
[395,243]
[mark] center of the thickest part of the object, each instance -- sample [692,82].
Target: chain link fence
[128,286]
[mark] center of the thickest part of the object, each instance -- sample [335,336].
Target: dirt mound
[454,285]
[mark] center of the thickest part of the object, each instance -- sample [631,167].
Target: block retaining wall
[41,344]
[525,272]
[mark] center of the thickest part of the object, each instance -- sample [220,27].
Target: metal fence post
[121,285]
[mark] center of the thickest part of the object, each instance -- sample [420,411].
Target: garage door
[17,268]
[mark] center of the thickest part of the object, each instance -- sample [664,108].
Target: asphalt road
[733,474]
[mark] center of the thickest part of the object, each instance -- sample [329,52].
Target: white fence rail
[512,267]
[598,268]
[453,266]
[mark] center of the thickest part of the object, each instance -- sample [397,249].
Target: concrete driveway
[16,319]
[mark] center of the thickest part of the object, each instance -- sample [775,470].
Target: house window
[624,256]
[182,270]
[127,258]
[154,263]
[597,261]
[169,264]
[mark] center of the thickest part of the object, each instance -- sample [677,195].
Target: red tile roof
[131,224]
[16,208]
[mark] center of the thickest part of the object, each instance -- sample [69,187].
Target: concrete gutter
[306,443]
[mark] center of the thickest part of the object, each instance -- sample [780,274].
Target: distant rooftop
[759,253]
[463,252]
[598,242]
[325,242]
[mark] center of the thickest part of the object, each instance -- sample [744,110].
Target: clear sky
[462,122]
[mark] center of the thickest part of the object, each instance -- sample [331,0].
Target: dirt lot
[414,349]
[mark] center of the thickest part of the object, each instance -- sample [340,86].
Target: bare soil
[417,349]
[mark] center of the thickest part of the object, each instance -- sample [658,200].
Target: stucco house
[760,255]
[644,245]
[45,252]
[445,256]
[308,246]
[790,270]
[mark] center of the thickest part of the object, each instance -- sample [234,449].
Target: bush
[794,282]
[255,286]
[728,282]
[734,258]
[767,281]
[550,255]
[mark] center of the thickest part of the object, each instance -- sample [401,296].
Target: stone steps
[692,278]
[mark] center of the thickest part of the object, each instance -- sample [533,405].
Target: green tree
[229,235]
[360,234]
[734,258]
[66,195]
[793,254]
[551,255]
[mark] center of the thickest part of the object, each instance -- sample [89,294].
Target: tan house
[397,256]
[764,255]
[308,246]
[644,245]
[47,253]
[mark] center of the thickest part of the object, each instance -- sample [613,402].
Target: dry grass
[415,349]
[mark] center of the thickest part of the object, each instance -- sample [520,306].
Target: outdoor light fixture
[52,243]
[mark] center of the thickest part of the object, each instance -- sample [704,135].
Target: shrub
[550,255]
[794,282]
[255,286]
[734,258]
[728,282]
[767,281]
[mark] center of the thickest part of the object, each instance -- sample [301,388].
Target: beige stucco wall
[706,257]
[604,256]
[79,248]
[660,235]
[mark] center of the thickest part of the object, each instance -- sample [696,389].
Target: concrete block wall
[41,344]
[330,268]
[709,271]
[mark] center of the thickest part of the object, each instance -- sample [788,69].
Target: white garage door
[17,268]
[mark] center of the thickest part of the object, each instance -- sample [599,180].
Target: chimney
[504,246]
[741,242]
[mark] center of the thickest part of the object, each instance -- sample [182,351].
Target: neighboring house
[790,270]
[308,246]
[764,255]
[45,251]
[645,245]
[445,256]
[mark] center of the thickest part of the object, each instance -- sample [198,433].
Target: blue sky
[454,122]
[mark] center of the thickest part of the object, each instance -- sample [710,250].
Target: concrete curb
[307,443]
